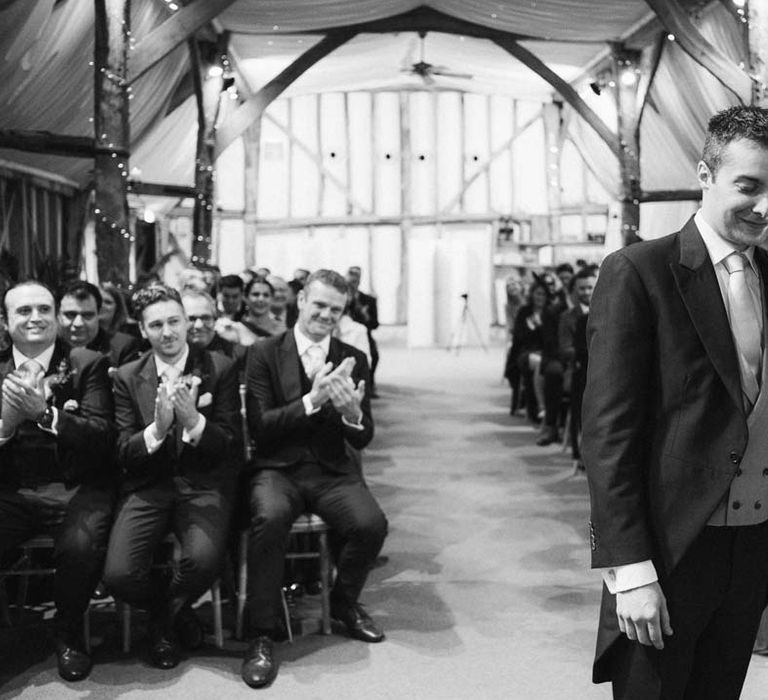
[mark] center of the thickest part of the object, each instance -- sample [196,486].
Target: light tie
[315,360]
[745,324]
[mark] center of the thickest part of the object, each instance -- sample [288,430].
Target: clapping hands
[338,387]
[22,399]
[176,399]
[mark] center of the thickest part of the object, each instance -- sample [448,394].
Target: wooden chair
[24,567]
[218,628]
[308,523]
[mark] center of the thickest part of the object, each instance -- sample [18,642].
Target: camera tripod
[460,329]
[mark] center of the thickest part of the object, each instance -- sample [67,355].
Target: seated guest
[573,347]
[307,399]
[301,275]
[200,309]
[353,333]
[527,345]
[279,298]
[231,298]
[363,308]
[79,306]
[258,321]
[553,371]
[291,307]
[57,437]
[177,410]
[565,275]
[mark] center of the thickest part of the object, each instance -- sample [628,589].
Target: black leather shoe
[547,436]
[164,651]
[188,628]
[259,668]
[358,623]
[74,663]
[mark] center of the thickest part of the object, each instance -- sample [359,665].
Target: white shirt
[624,578]
[44,360]
[190,437]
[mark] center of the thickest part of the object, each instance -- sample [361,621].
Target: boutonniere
[191,380]
[53,383]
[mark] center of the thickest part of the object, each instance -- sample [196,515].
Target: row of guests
[548,353]
[111,467]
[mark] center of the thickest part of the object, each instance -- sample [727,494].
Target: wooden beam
[46,142]
[676,21]
[670,196]
[160,189]
[252,155]
[628,106]
[208,90]
[552,120]
[173,32]
[406,204]
[648,68]
[111,126]
[252,109]
[563,88]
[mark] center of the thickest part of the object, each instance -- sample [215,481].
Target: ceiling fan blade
[451,74]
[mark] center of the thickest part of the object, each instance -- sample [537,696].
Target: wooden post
[552,117]
[252,147]
[627,77]
[406,204]
[208,87]
[113,238]
[758,50]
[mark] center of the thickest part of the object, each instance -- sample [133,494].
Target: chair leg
[87,629]
[126,615]
[218,632]
[242,583]
[286,615]
[325,579]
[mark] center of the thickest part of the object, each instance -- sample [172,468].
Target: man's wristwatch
[46,419]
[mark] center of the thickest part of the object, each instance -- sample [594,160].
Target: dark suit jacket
[364,309]
[277,421]
[571,346]
[664,422]
[216,455]
[83,449]
[120,348]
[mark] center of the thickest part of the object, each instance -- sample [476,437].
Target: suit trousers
[715,597]
[277,498]
[78,518]
[199,518]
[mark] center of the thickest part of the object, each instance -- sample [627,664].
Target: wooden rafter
[671,196]
[161,189]
[650,65]
[676,21]
[173,32]
[46,142]
[563,88]
[254,107]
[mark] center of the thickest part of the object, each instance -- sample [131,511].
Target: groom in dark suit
[57,438]
[178,415]
[307,399]
[675,435]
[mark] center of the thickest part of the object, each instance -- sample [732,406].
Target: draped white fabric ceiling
[46,82]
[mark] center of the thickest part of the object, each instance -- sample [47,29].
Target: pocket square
[205,400]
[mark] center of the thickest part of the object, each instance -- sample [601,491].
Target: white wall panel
[530,171]
[361,148]
[422,163]
[571,174]
[387,156]
[476,152]
[449,155]
[230,177]
[273,168]
[230,235]
[386,255]
[334,143]
[421,292]
[500,171]
[305,174]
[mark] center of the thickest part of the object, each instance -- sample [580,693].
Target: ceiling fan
[425,70]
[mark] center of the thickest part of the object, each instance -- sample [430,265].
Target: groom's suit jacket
[664,420]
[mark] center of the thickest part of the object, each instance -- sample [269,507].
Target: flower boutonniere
[53,383]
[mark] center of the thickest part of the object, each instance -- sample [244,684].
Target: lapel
[145,388]
[288,367]
[335,355]
[697,283]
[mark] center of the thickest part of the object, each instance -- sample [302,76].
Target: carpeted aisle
[486,593]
